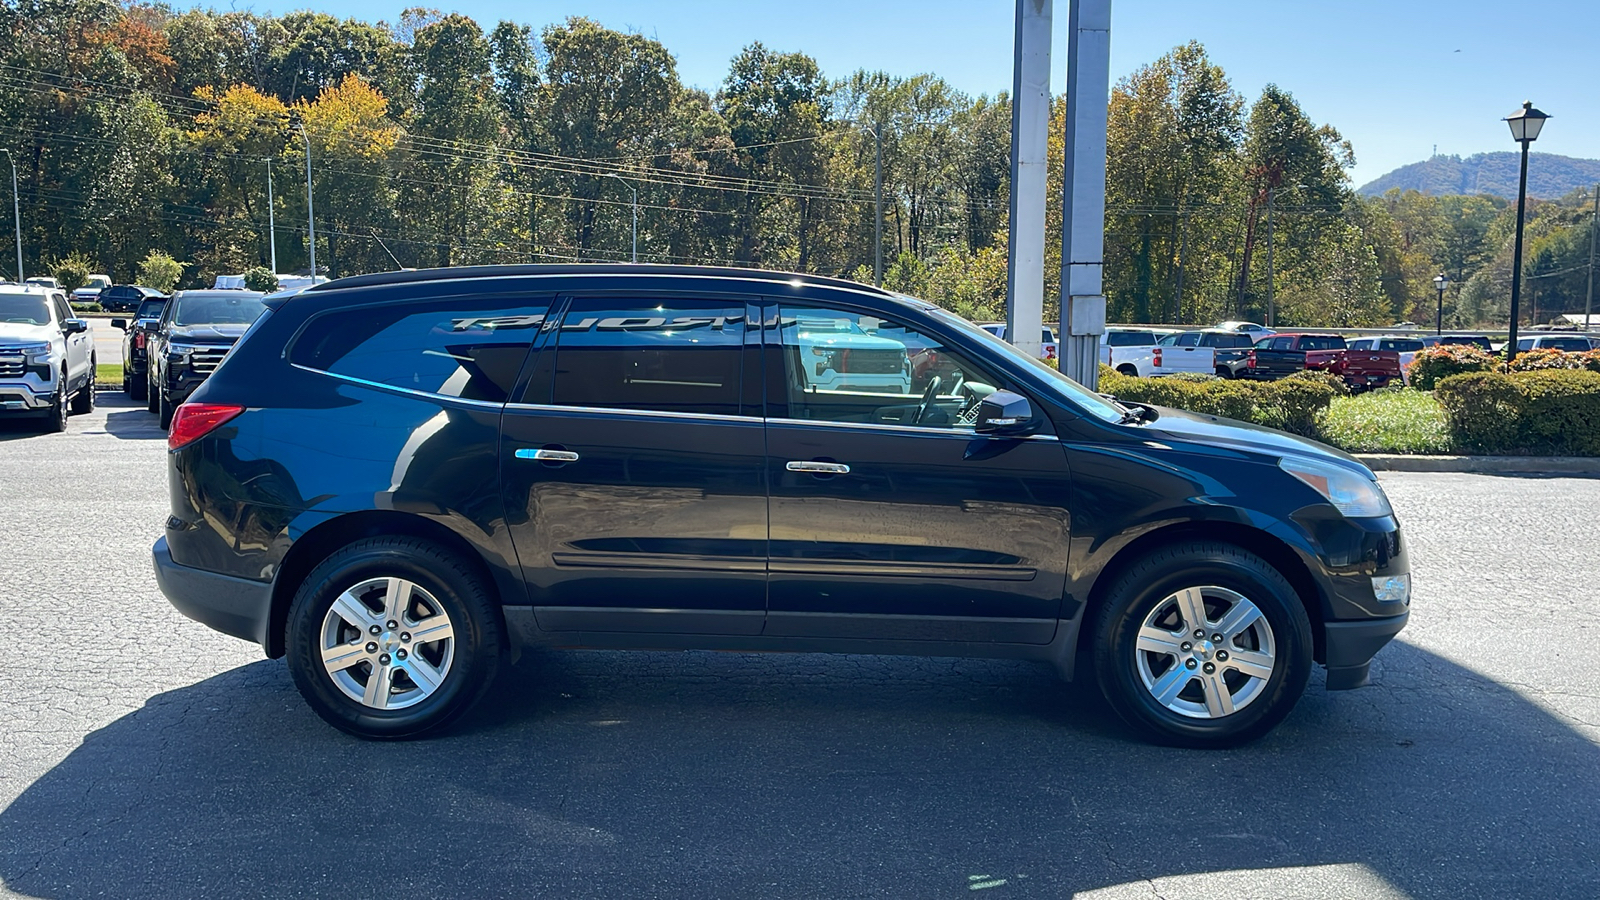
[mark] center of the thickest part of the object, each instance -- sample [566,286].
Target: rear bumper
[233,606]
[1351,646]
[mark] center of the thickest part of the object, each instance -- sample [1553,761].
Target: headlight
[38,354]
[179,350]
[1349,492]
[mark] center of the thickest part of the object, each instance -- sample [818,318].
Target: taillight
[1156,357]
[1250,360]
[138,341]
[193,421]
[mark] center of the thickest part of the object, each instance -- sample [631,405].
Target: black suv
[136,345]
[398,480]
[126,297]
[196,330]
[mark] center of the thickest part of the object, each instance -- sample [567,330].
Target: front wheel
[152,392]
[164,409]
[1203,645]
[392,637]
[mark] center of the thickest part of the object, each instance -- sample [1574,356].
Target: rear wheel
[393,637]
[1203,645]
[1128,370]
[83,400]
[1224,372]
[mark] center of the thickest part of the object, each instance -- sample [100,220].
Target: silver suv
[46,356]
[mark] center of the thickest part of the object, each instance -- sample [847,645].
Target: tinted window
[1360,344]
[469,349]
[1467,340]
[1569,344]
[230,308]
[1047,336]
[1403,346]
[1167,341]
[151,309]
[21,309]
[63,311]
[845,366]
[1321,342]
[1282,343]
[1130,338]
[1191,339]
[682,356]
[1524,344]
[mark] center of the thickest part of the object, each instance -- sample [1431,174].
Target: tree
[351,135]
[160,271]
[72,271]
[261,278]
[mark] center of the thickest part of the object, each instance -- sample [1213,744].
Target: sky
[1396,78]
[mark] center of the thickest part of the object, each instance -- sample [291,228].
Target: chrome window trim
[965,433]
[553,407]
[428,395]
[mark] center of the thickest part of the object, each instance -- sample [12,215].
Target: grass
[108,374]
[1396,420]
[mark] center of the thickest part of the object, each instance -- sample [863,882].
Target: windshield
[238,308]
[151,309]
[98,281]
[1075,393]
[24,310]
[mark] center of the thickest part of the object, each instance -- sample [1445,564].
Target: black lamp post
[1525,124]
[1440,282]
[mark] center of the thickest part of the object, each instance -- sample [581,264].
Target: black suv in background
[196,330]
[126,297]
[396,480]
[136,345]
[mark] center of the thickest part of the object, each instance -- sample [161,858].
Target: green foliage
[1291,404]
[261,279]
[72,271]
[160,271]
[1548,358]
[1432,364]
[1392,420]
[1549,411]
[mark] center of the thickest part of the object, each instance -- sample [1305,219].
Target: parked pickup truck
[1285,354]
[1161,356]
[1231,348]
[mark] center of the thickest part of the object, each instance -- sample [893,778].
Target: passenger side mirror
[120,324]
[74,326]
[1005,414]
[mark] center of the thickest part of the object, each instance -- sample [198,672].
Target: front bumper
[25,397]
[233,606]
[1352,645]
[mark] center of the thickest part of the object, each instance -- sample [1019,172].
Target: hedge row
[1291,404]
[1544,411]
[1434,364]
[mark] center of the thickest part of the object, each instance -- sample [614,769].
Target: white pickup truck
[1048,348]
[1137,352]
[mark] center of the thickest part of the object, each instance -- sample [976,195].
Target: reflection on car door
[78,345]
[890,517]
[632,469]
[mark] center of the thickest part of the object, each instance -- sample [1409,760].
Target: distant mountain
[1549,175]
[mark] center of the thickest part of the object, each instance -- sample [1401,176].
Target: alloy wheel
[1205,652]
[387,643]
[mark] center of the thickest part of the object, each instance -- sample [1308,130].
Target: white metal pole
[1588,298]
[311,210]
[16,213]
[1083,302]
[877,205]
[272,227]
[635,192]
[1030,134]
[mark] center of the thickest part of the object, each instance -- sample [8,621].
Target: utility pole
[272,226]
[1083,191]
[311,210]
[1030,127]
[16,213]
[877,190]
[1183,253]
[635,212]
[1594,232]
[1271,307]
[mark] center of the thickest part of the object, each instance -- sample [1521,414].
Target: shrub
[261,279]
[160,271]
[1541,411]
[1292,404]
[1323,376]
[1546,358]
[1302,397]
[72,271]
[1434,364]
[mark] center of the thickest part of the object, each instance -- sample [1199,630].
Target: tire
[83,400]
[152,394]
[164,409]
[1128,370]
[136,387]
[55,420]
[1224,372]
[359,579]
[1259,669]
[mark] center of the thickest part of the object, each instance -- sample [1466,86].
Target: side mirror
[75,326]
[120,324]
[1005,414]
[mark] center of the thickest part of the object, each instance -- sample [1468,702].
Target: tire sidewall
[1134,599]
[474,646]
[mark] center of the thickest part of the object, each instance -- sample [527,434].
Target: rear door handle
[817,468]
[547,455]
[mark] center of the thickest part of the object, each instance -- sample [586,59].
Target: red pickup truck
[1285,354]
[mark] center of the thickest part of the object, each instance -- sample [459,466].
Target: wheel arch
[328,537]
[1271,548]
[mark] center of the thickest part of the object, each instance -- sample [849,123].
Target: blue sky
[1386,74]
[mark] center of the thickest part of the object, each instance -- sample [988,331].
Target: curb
[1483,465]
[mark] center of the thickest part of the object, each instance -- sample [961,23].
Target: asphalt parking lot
[142,755]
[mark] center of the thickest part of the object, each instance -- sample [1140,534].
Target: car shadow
[707,774]
[18,427]
[128,419]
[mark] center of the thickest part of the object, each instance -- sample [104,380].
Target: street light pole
[1525,124]
[16,213]
[311,209]
[1440,282]
[635,192]
[1594,232]
[877,202]
[1271,306]
[272,227]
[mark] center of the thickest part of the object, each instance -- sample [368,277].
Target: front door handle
[544,454]
[817,468]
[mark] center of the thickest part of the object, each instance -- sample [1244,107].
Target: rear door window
[1130,338]
[1568,344]
[468,348]
[655,355]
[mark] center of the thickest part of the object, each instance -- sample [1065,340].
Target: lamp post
[1525,124]
[1440,282]
[311,210]
[635,212]
[272,224]
[16,213]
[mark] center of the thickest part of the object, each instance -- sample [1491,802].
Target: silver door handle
[817,468]
[547,455]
